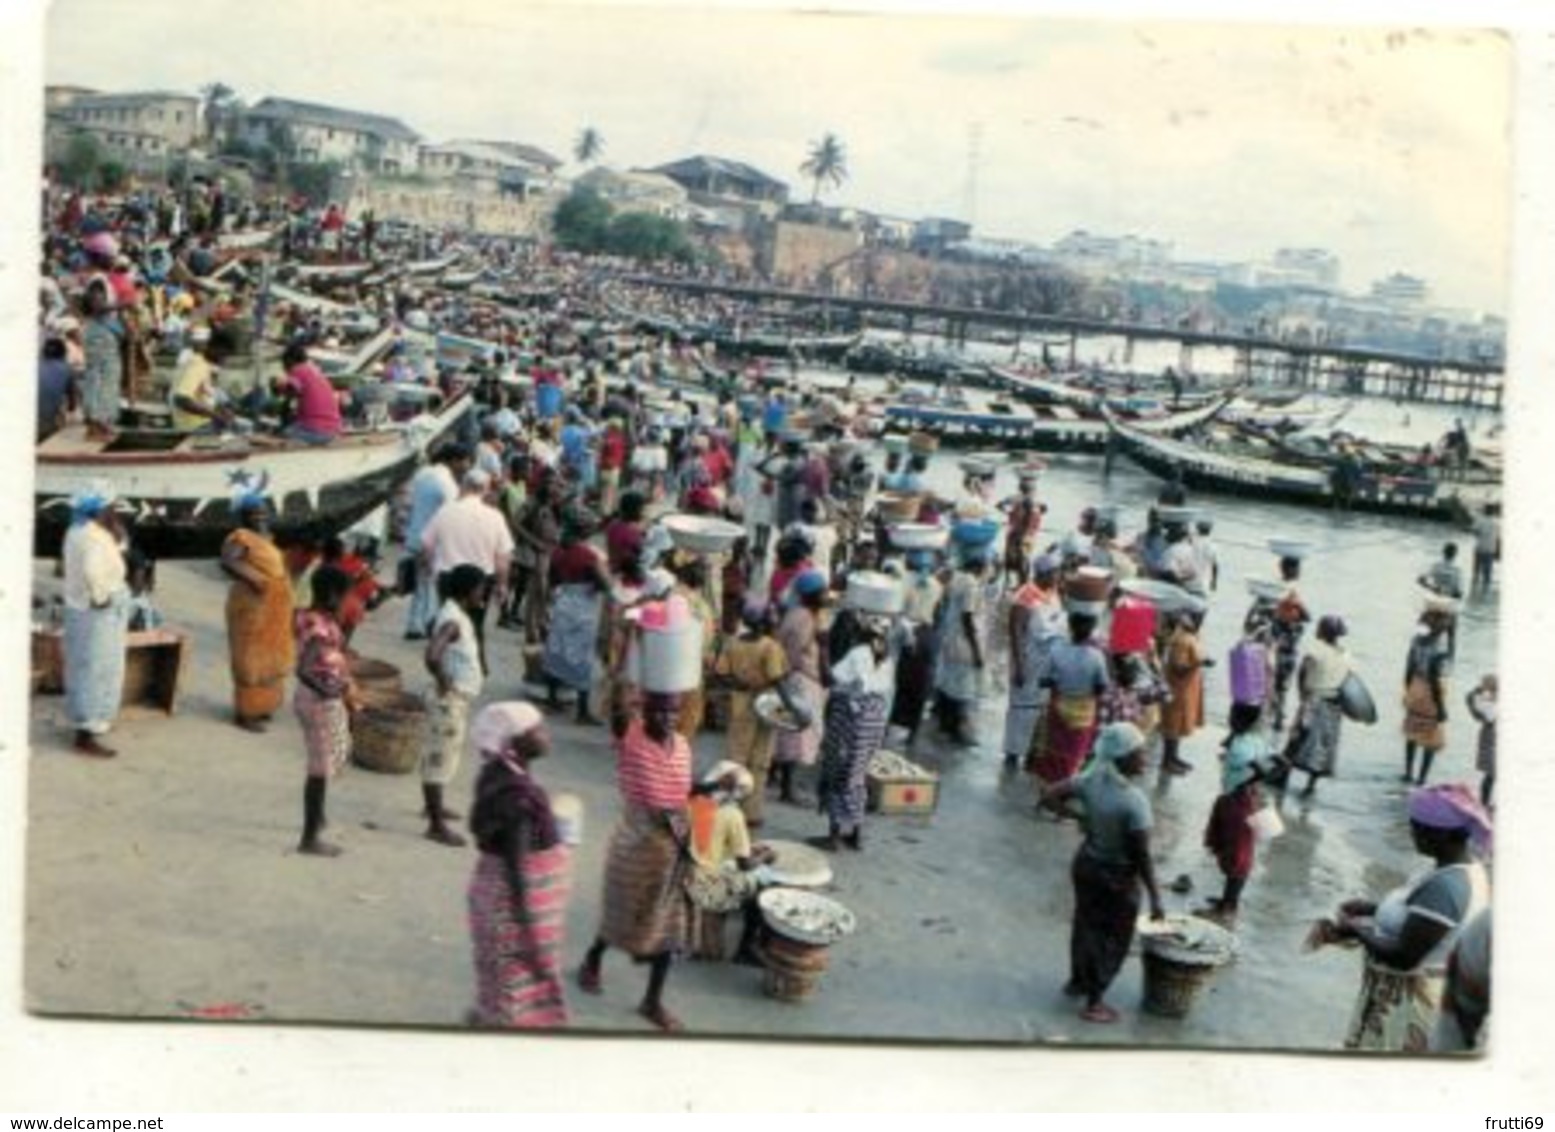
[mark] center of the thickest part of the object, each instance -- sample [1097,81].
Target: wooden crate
[893,795]
[154,664]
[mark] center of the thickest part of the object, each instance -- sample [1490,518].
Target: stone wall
[801,253]
[446,206]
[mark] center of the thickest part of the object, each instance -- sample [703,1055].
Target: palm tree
[827,164]
[590,144]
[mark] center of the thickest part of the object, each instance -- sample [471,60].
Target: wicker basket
[388,737]
[1171,987]
[377,681]
[923,443]
[899,507]
[793,969]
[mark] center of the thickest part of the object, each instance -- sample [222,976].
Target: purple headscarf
[1452,806]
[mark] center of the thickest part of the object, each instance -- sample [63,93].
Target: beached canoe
[1051,428]
[176,488]
[1056,390]
[1206,469]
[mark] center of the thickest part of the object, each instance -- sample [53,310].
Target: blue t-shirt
[774,416]
[575,443]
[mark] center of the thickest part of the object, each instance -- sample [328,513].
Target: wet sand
[164,883]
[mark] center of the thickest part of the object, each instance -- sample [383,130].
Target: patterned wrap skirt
[326,730]
[645,904]
[1395,1011]
[1071,729]
[573,641]
[104,372]
[855,728]
[518,980]
[1314,745]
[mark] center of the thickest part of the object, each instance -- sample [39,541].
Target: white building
[639,190]
[1087,250]
[1400,290]
[490,166]
[158,119]
[1316,267]
[365,142]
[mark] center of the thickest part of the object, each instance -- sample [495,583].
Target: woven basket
[899,507]
[793,970]
[1170,988]
[388,737]
[923,443]
[377,681]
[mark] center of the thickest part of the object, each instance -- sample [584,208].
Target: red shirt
[718,465]
[318,406]
[782,576]
[612,450]
[623,543]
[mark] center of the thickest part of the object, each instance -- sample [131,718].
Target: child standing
[325,700]
[453,658]
[1229,836]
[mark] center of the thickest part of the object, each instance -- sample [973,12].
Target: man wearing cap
[471,531]
[193,395]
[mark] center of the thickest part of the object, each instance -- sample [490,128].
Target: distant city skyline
[1389,149]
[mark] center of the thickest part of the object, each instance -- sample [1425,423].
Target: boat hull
[178,503]
[1312,487]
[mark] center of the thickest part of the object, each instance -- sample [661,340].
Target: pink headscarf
[1452,806]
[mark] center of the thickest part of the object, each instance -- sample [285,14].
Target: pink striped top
[649,774]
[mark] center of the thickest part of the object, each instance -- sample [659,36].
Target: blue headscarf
[89,502]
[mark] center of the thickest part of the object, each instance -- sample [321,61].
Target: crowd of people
[848,604]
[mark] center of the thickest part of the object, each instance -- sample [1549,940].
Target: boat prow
[176,488]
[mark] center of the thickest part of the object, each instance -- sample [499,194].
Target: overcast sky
[1387,147]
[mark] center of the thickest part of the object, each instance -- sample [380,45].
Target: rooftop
[288,110]
[129,98]
[703,164]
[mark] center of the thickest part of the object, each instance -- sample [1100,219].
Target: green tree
[589,146]
[218,104]
[644,236]
[314,180]
[83,155]
[581,222]
[111,176]
[827,164]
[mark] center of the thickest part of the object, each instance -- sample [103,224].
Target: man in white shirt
[430,488]
[470,531]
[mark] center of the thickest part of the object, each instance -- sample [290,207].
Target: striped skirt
[518,981]
[645,905]
[855,727]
